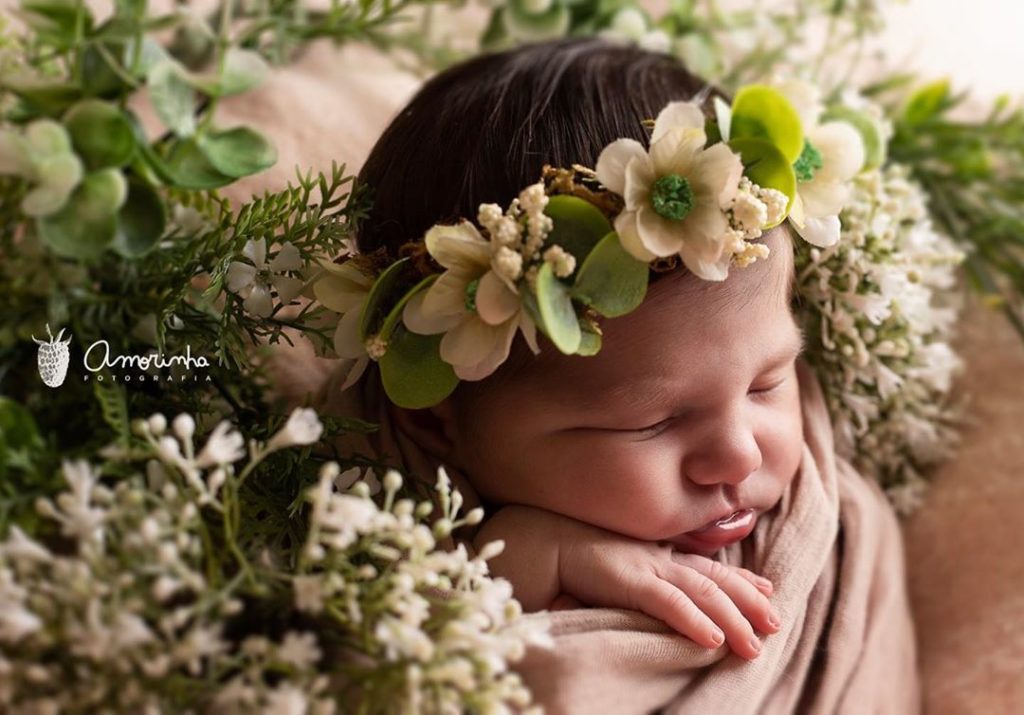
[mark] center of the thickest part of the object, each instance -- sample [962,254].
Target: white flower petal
[471,344]
[612,163]
[678,114]
[355,369]
[338,293]
[823,198]
[499,340]
[287,287]
[460,245]
[259,302]
[658,235]
[287,259]
[529,329]
[495,303]
[822,232]
[841,148]
[718,170]
[447,295]
[629,236]
[676,151]
[639,178]
[256,251]
[805,98]
[346,336]
[696,257]
[426,323]
[240,275]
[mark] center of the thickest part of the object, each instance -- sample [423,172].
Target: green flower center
[672,197]
[471,289]
[808,162]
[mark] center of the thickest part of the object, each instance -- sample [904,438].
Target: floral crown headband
[581,243]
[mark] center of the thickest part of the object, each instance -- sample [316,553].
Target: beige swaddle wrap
[832,548]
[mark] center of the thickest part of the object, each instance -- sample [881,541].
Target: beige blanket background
[966,570]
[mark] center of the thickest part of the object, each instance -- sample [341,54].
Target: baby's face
[690,410]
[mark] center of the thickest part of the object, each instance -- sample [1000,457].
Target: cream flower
[677,194]
[833,154]
[344,289]
[478,311]
[254,281]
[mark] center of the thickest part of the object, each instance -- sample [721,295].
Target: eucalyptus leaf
[523,24]
[51,97]
[578,225]
[243,70]
[172,97]
[557,315]
[590,341]
[379,302]
[101,134]
[140,222]
[189,168]
[86,225]
[412,371]
[926,103]
[765,165]
[238,152]
[611,280]
[762,112]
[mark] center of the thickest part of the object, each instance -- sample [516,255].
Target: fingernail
[774,620]
[717,637]
[755,643]
[765,583]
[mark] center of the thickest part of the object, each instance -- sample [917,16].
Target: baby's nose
[729,457]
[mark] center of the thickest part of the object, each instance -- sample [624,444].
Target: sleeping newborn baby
[620,475]
[632,486]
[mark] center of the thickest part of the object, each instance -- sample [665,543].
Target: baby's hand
[703,599]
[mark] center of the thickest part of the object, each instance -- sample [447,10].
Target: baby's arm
[549,556]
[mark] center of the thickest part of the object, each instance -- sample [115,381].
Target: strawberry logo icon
[53,358]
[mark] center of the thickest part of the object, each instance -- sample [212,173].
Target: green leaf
[525,25]
[172,98]
[765,165]
[188,167]
[762,112]
[578,225]
[238,152]
[611,280]
[412,371]
[926,103]
[381,298]
[86,225]
[869,130]
[101,134]
[140,222]
[43,96]
[395,315]
[243,70]
[590,342]
[557,316]
[56,20]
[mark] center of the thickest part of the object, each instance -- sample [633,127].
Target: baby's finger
[662,600]
[717,603]
[739,584]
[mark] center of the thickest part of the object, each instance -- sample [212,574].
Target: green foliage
[974,174]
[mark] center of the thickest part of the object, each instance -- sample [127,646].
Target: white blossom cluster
[752,208]
[380,572]
[518,234]
[882,307]
[135,594]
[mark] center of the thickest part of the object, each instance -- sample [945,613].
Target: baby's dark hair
[482,130]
